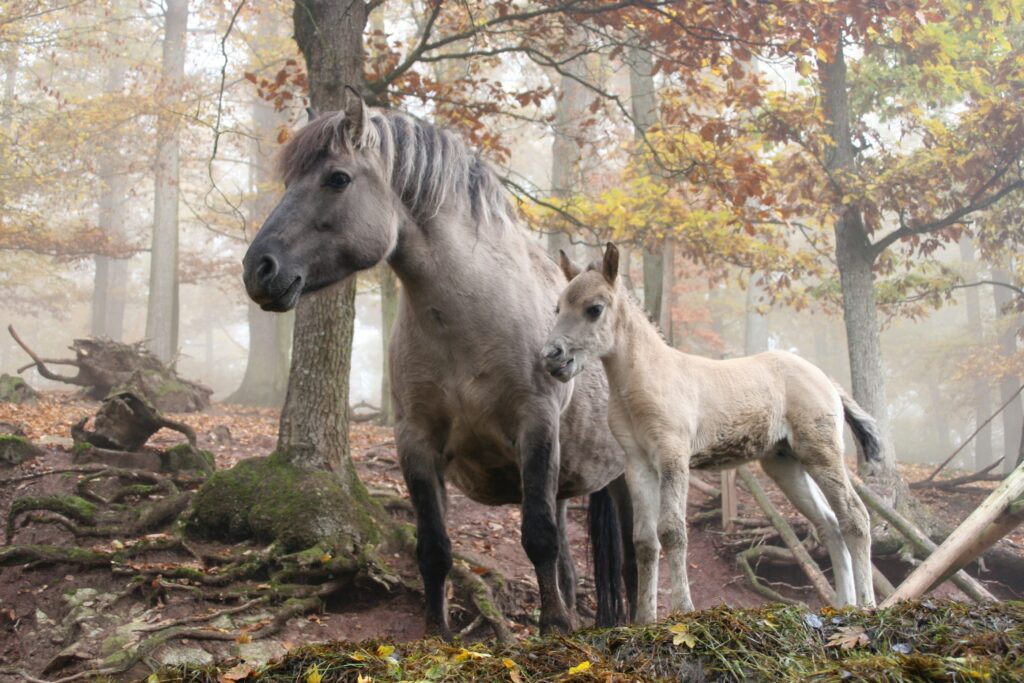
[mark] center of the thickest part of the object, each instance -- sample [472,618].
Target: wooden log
[1006,523]
[800,554]
[730,509]
[917,538]
[957,549]
[949,484]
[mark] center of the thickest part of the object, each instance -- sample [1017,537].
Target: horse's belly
[485,481]
[727,454]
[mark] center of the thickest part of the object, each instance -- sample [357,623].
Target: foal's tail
[864,427]
[606,549]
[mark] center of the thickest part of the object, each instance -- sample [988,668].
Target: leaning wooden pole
[789,537]
[961,546]
[917,538]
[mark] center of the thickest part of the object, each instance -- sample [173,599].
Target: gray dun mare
[474,404]
[672,411]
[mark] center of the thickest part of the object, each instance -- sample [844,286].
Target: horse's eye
[594,312]
[338,180]
[556,310]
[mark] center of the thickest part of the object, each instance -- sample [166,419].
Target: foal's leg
[567,578]
[806,497]
[828,470]
[539,458]
[674,466]
[645,494]
[423,469]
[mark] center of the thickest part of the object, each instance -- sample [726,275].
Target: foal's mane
[427,165]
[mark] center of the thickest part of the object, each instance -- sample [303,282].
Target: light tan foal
[673,411]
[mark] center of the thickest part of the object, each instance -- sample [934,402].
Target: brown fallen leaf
[238,672]
[849,637]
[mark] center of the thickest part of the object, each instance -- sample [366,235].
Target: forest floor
[55,619]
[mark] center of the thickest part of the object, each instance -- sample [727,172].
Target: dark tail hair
[606,553]
[864,427]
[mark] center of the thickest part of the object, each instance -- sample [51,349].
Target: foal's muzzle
[559,362]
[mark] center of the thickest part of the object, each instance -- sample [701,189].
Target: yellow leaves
[364,679]
[313,674]
[582,667]
[464,654]
[513,671]
[681,635]
[385,650]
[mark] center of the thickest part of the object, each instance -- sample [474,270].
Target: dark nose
[554,350]
[266,270]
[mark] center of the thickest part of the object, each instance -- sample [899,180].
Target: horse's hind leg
[567,578]
[422,469]
[828,470]
[806,497]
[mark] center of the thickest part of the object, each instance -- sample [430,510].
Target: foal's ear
[311,114]
[610,265]
[357,117]
[569,269]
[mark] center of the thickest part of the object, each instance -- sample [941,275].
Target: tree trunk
[162,310]
[1009,326]
[388,313]
[314,422]
[982,394]
[644,109]
[755,332]
[855,260]
[571,103]
[109,292]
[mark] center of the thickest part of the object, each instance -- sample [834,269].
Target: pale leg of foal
[790,476]
[642,480]
[674,466]
[830,475]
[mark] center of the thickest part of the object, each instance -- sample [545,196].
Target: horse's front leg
[539,459]
[674,469]
[423,469]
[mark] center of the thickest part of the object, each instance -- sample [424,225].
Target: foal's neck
[638,343]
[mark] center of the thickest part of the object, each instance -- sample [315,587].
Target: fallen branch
[40,364]
[949,484]
[922,544]
[965,543]
[796,548]
[973,434]
[765,551]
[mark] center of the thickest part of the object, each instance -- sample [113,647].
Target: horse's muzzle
[559,363]
[270,285]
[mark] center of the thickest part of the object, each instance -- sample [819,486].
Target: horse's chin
[288,299]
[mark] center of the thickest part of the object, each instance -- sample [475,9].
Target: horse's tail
[606,549]
[864,427]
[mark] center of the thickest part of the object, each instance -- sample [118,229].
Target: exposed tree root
[747,560]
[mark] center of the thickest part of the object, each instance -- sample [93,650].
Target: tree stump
[105,366]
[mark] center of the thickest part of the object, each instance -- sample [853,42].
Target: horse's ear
[356,117]
[311,114]
[610,265]
[569,269]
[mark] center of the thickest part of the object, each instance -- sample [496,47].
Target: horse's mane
[427,165]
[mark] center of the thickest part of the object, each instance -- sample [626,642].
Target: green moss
[15,390]
[270,500]
[72,507]
[183,457]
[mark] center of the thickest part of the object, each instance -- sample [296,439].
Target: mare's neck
[638,347]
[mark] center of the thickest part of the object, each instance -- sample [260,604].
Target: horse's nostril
[267,269]
[554,351]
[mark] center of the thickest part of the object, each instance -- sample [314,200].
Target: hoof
[437,630]
[557,623]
